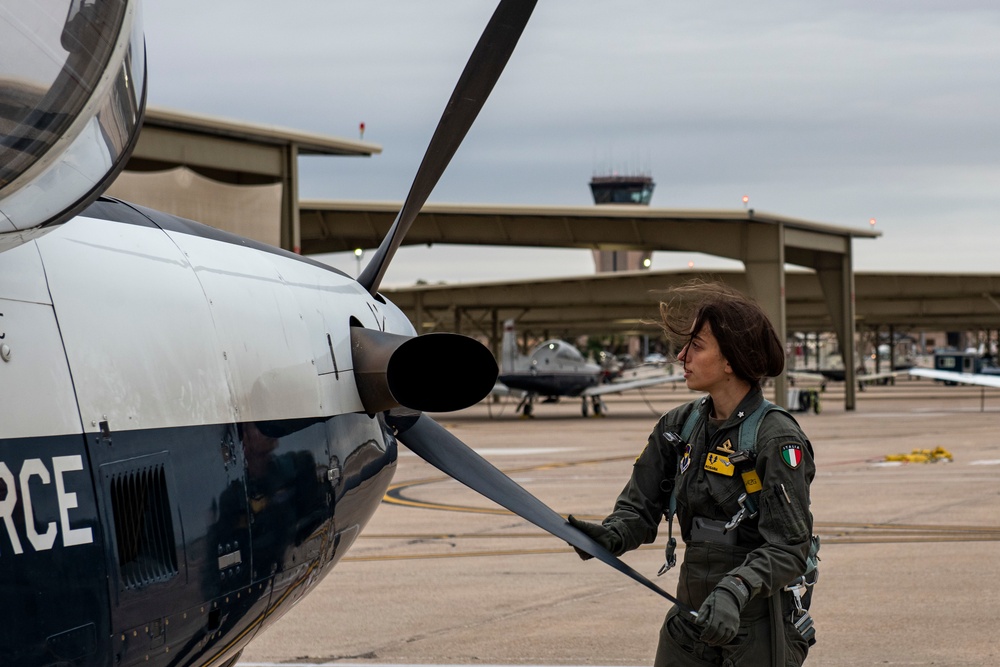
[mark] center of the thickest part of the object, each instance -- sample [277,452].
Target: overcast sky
[835,112]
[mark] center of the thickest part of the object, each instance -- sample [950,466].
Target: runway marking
[394,494]
[830,532]
[985,462]
[511,451]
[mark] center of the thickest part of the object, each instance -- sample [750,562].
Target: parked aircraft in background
[823,376]
[954,377]
[555,369]
[196,426]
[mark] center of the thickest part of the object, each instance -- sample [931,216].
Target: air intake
[143,526]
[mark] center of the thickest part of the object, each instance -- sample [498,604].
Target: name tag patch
[751,482]
[719,464]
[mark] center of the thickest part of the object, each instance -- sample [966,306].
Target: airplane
[555,369]
[822,376]
[955,377]
[196,426]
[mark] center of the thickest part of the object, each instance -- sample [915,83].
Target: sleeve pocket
[782,521]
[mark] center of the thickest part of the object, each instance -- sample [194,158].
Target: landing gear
[600,409]
[527,406]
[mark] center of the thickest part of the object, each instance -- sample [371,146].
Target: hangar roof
[159,119]
[627,302]
[235,153]
[335,226]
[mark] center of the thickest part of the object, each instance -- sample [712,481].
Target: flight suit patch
[719,464]
[726,447]
[686,459]
[751,481]
[791,454]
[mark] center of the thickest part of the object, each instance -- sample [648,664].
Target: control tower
[629,190]
[617,189]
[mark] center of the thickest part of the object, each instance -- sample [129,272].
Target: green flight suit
[771,548]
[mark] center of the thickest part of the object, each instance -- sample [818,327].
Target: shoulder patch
[791,454]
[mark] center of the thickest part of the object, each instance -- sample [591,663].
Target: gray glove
[720,613]
[606,537]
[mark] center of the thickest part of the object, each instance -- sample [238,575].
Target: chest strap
[746,439]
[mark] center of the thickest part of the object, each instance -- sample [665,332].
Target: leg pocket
[796,648]
[679,645]
[745,649]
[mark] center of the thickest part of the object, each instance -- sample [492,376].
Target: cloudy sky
[835,112]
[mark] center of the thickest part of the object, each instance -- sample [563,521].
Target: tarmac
[910,558]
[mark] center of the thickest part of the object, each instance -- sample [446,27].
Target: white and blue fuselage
[181,424]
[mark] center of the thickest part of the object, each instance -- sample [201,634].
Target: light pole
[358,254]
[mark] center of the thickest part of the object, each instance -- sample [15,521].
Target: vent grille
[143,526]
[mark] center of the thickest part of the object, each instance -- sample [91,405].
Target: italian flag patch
[791,454]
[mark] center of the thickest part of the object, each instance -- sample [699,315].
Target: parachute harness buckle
[801,619]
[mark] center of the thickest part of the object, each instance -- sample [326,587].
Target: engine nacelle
[437,372]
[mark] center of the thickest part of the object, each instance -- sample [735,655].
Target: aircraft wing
[963,378]
[500,389]
[619,387]
[875,377]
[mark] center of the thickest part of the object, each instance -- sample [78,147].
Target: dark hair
[746,338]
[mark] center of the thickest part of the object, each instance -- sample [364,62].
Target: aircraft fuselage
[551,384]
[183,450]
[554,368]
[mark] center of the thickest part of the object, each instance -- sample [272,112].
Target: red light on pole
[361,130]
[871,222]
[746,200]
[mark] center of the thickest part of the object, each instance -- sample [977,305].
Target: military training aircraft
[555,369]
[955,377]
[196,426]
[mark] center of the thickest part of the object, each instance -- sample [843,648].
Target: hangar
[206,168]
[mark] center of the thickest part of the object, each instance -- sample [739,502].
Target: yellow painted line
[389,499]
[827,540]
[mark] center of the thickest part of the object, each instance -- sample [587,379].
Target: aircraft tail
[509,352]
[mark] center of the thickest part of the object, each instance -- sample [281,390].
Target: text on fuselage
[41,540]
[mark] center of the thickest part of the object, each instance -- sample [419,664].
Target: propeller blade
[433,443]
[480,75]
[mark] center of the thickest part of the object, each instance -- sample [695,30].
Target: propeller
[387,367]
[480,75]
[434,444]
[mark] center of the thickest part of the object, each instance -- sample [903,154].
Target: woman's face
[704,366]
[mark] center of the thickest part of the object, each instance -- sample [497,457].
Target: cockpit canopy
[556,352]
[72,89]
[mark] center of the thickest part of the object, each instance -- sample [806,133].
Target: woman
[739,479]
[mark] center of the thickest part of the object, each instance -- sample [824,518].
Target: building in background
[631,191]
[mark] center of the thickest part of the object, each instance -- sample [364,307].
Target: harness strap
[746,437]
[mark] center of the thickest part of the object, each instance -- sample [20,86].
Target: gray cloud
[836,112]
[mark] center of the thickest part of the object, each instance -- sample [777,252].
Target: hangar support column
[764,258]
[836,278]
[291,230]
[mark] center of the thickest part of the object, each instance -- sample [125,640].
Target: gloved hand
[720,612]
[606,537]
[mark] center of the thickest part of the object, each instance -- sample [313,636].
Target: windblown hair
[746,338]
